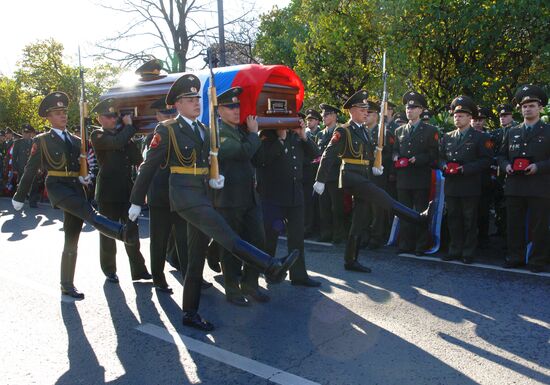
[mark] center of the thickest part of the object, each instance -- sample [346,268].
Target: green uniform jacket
[116,154]
[21,153]
[185,190]
[323,142]
[423,145]
[48,152]
[535,146]
[348,142]
[474,153]
[237,148]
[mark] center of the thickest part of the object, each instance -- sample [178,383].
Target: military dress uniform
[58,152]
[413,180]
[311,200]
[116,155]
[280,183]
[350,145]
[20,155]
[472,150]
[527,196]
[183,146]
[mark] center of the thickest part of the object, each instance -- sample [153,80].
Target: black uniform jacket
[474,153]
[237,148]
[176,145]
[20,154]
[423,145]
[536,147]
[49,152]
[280,168]
[116,154]
[349,141]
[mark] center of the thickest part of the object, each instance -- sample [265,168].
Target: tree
[173,27]
[17,106]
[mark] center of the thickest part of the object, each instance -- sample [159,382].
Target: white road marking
[235,360]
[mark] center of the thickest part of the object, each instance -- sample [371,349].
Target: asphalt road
[409,322]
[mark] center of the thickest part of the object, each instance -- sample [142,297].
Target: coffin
[274,93]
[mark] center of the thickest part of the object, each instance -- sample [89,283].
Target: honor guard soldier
[116,155]
[311,200]
[506,120]
[182,145]
[58,152]
[280,183]
[464,155]
[238,201]
[525,156]
[20,156]
[414,155]
[351,144]
[391,125]
[167,230]
[331,203]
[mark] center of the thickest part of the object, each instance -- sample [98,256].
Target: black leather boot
[274,268]
[351,255]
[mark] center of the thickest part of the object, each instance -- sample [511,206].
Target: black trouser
[247,222]
[485,201]
[162,223]
[294,218]
[311,209]
[537,211]
[118,212]
[412,237]
[331,205]
[462,215]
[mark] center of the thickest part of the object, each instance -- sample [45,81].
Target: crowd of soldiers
[309,181]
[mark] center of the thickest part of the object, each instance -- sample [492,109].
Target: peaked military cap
[160,106]
[400,117]
[328,108]
[426,115]
[464,104]
[106,107]
[391,105]
[530,93]
[230,98]
[371,105]
[150,68]
[301,115]
[312,114]
[484,112]
[414,99]
[505,109]
[358,99]
[55,101]
[187,86]
[28,128]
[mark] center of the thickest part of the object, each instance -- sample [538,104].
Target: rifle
[382,122]
[83,120]
[213,109]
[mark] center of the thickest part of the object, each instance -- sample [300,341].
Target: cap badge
[59,104]
[193,89]
[365,101]
[458,107]
[411,101]
[235,99]
[525,88]
[111,109]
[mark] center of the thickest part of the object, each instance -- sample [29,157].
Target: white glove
[319,187]
[378,171]
[17,205]
[85,180]
[133,212]
[217,184]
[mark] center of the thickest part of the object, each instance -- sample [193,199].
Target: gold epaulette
[345,125]
[169,121]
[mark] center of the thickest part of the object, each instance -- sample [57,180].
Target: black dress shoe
[112,278]
[308,282]
[164,289]
[144,275]
[206,285]
[237,299]
[356,266]
[194,320]
[73,293]
[510,263]
[256,294]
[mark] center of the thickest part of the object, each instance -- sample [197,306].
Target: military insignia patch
[335,137]
[34,148]
[489,144]
[59,104]
[436,136]
[156,140]
[193,89]
[392,140]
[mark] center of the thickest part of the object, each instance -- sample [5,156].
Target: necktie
[68,143]
[197,131]
[528,129]
[412,129]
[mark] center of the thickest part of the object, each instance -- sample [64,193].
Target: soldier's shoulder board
[169,121]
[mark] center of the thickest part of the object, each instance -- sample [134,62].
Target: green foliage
[44,69]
